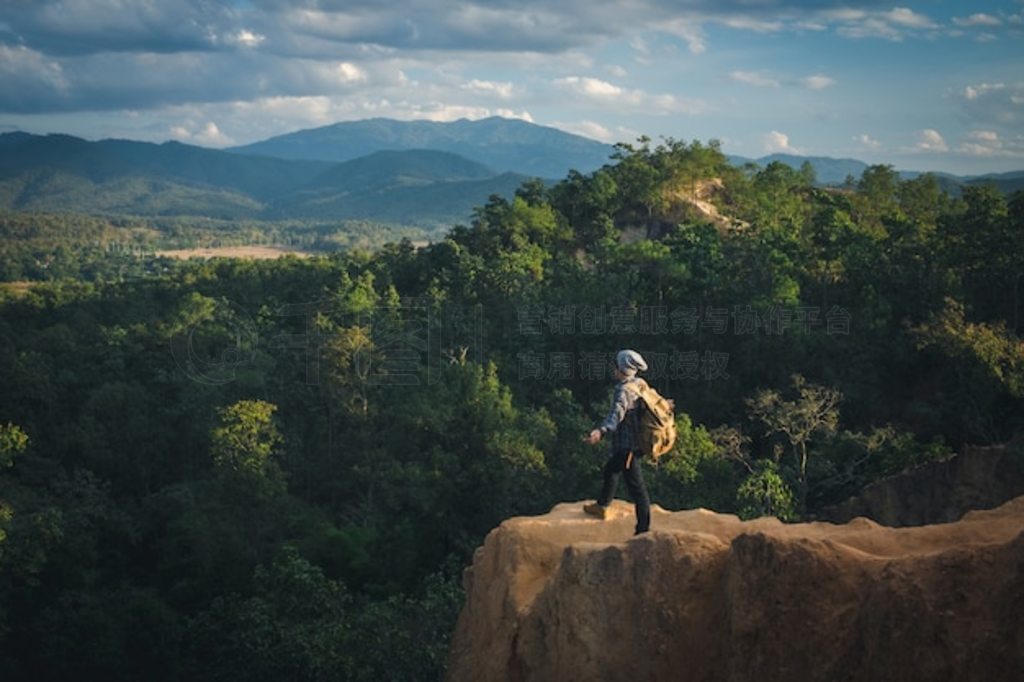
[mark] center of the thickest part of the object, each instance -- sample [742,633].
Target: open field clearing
[18,288]
[256,252]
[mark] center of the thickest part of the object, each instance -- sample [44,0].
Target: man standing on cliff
[623,423]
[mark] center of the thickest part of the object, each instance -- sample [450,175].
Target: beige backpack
[657,420]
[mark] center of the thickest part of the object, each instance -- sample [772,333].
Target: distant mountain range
[833,172]
[418,173]
[378,170]
[506,145]
[406,187]
[828,171]
[61,173]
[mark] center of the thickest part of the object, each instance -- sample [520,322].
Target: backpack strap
[640,388]
[637,386]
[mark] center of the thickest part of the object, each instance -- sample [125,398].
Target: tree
[1015,214]
[813,412]
[876,199]
[985,365]
[765,493]
[980,243]
[298,624]
[349,354]
[532,191]
[13,441]
[922,201]
[588,203]
[773,199]
[693,445]
[637,176]
[244,446]
[808,174]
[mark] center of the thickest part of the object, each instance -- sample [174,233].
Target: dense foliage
[55,246]
[277,469]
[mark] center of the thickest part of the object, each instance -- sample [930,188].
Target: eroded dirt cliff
[940,491]
[705,596]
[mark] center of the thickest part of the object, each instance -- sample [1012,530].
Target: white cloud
[612,96]
[867,141]
[436,111]
[763,80]
[591,87]
[987,136]
[21,61]
[29,80]
[929,140]
[845,14]
[988,143]
[889,25]
[979,19]
[778,143]
[817,82]
[753,78]
[522,115]
[300,63]
[902,16]
[208,135]
[503,90]
[246,38]
[288,112]
[350,73]
[753,24]
[974,149]
[996,104]
[211,135]
[689,31]
[639,45]
[871,28]
[811,25]
[597,131]
[594,131]
[310,77]
[973,92]
[271,115]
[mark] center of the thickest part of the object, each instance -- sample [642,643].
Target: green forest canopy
[276,469]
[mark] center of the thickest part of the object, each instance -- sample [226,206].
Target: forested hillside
[415,187]
[277,470]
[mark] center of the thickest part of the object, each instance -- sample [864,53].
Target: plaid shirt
[623,421]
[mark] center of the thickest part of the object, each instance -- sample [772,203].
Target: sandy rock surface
[705,596]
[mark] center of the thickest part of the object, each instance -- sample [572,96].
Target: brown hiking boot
[594,509]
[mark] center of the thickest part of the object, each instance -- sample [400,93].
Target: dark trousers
[624,462]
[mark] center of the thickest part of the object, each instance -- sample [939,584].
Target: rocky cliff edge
[705,596]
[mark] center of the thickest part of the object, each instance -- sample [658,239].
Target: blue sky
[920,84]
